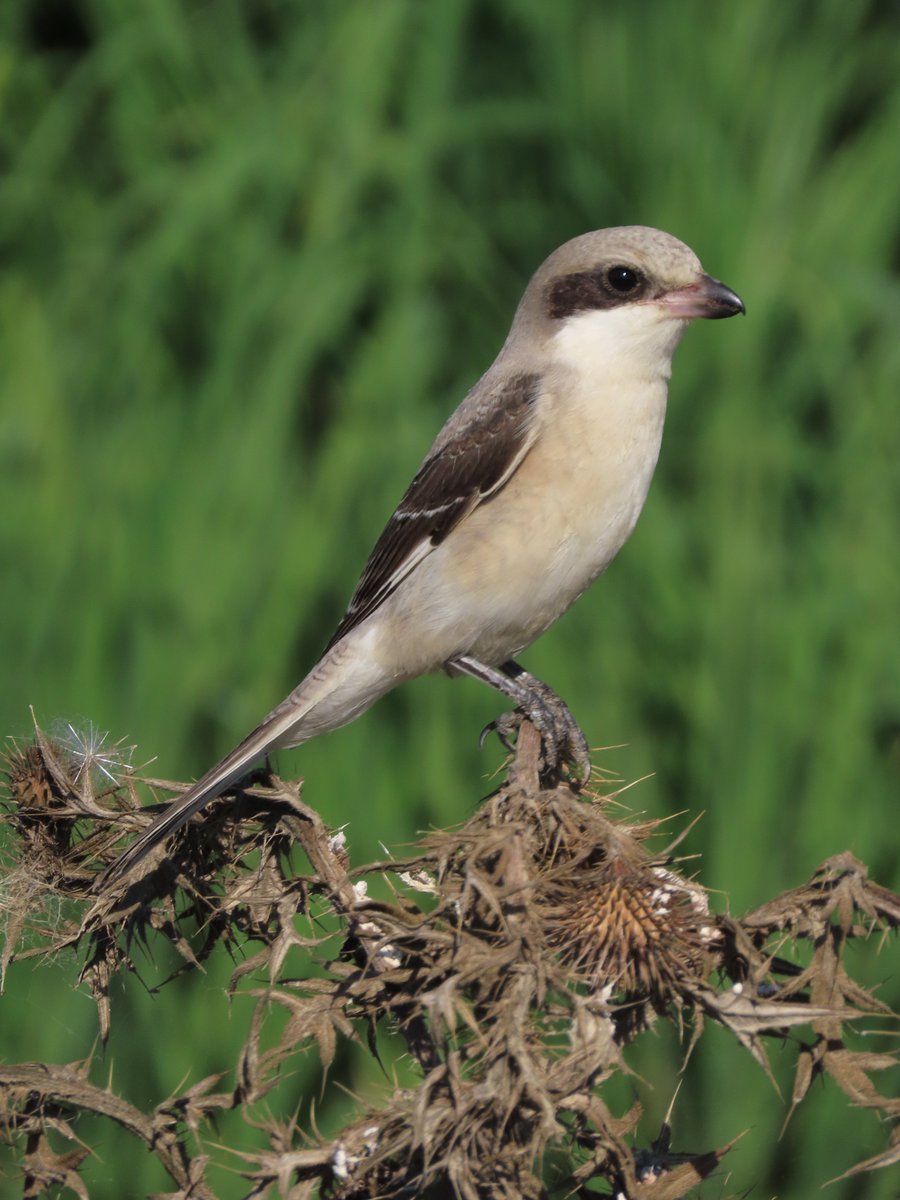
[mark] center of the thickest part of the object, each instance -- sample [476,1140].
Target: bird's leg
[560,734]
[531,705]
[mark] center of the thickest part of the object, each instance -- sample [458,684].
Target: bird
[528,492]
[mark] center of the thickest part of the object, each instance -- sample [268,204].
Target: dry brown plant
[519,956]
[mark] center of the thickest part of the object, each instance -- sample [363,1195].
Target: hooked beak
[706,298]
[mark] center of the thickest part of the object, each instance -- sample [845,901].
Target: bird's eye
[622,279]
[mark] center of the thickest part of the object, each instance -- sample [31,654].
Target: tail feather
[341,686]
[212,784]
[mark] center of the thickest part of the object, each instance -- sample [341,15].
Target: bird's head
[625,293]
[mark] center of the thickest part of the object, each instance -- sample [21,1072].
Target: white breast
[604,421]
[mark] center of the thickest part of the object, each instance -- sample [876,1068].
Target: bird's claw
[505,726]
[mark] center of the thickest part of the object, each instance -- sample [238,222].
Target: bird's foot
[562,742]
[535,709]
[571,746]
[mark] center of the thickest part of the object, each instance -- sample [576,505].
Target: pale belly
[521,559]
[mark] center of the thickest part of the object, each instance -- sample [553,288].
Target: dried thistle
[518,955]
[635,930]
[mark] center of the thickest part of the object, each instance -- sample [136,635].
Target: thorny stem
[308,828]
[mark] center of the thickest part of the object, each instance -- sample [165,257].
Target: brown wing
[466,470]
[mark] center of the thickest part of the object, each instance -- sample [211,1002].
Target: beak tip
[722,301]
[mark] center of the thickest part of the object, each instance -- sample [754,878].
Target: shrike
[528,492]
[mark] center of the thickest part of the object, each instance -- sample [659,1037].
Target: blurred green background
[252,254]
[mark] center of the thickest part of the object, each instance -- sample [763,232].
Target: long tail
[341,686]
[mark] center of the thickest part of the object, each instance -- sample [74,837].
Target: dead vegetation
[519,956]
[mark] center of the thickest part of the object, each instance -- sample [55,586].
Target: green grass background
[252,254]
